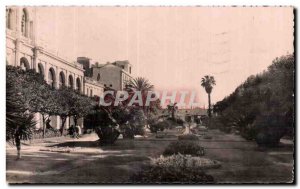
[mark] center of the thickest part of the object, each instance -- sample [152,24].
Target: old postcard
[150,95]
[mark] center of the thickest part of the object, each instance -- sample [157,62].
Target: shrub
[207,137]
[185,161]
[107,135]
[270,129]
[176,169]
[160,126]
[188,137]
[249,132]
[49,133]
[179,121]
[139,130]
[184,147]
[127,131]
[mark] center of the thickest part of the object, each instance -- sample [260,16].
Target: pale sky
[173,47]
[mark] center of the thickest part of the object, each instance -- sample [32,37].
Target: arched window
[8,18]
[98,77]
[24,23]
[51,77]
[71,83]
[91,92]
[78,85]
[40,69]
[24,63]
[61,79]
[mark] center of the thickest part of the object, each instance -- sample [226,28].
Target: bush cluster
[188,137]
[175,169]
[49,133]
[159,126]
[185,147]
[262,108]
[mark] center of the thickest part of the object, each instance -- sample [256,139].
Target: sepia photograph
[150,94]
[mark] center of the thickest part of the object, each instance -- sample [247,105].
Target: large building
[114,75]
[22,49]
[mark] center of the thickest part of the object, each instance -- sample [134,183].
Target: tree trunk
[75,120]
[44,126]
[209,109]
[63,121]
[18,145]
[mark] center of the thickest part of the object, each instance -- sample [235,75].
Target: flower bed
[176,169]
[185,161]
[184,147]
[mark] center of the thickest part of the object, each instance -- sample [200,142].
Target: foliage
[184,147]
[172,108]
[269,129]
[176,169]
[160,126]
[145,87]
[71,103]
[207,137]
[188,137]
[49,133]
[140,84]
[269,94]
[34,92]
[207,82]
[19,122]
[128,120]
[184,161]
[104,124]
[38,97]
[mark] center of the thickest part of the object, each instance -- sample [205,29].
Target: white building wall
[18,46]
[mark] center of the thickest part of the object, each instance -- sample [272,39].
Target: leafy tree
[63,100]
[207,82]
[35,93]
[79,105]
[105,125]
[19,122]
[262,107]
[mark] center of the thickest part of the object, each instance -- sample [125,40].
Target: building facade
[114,75]
[23,50]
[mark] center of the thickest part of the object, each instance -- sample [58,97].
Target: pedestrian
[78,131]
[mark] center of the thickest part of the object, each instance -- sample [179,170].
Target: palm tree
[208,82]
[139,84]
[172,108]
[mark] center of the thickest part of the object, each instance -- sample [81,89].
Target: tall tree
[140,84]
[144,86]
[79,105]
[172,108]
[269,101]
[19,122]
[36,95]
[63,101]
[207,82]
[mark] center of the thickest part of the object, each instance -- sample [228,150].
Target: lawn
[242,161]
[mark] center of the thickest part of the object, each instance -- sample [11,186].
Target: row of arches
[52,75]
[62,80]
